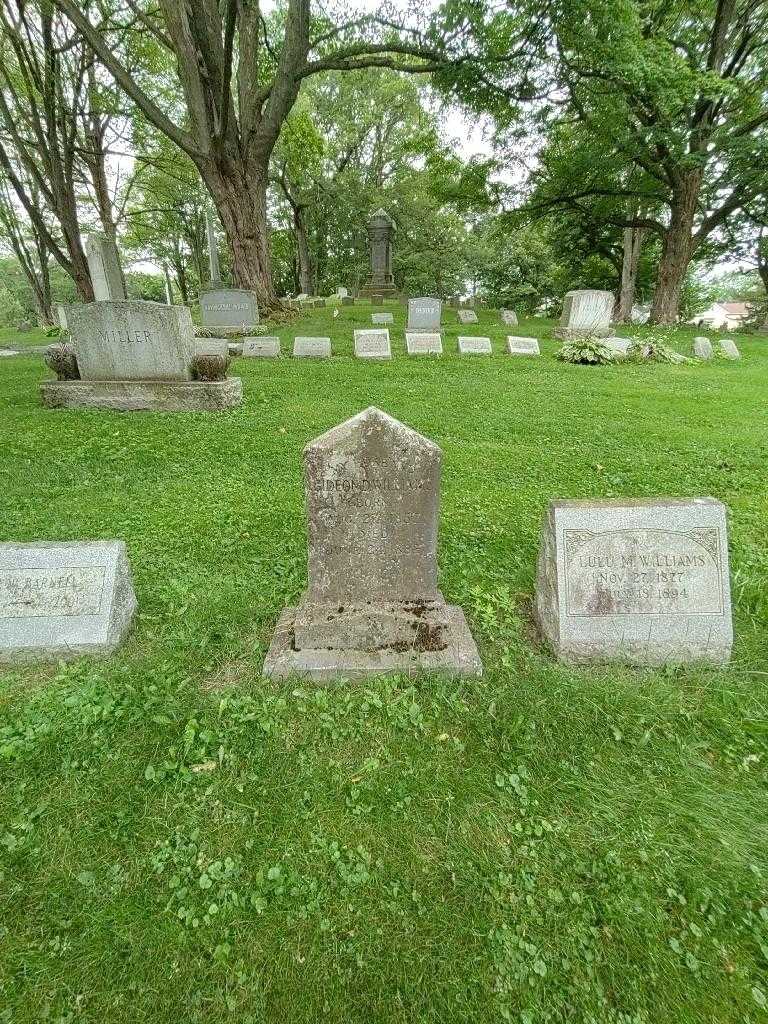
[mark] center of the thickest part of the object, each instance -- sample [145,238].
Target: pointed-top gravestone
[372,605]
[104,267]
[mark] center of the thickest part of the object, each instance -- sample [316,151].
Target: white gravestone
[618,347]
[266,347]
[382,318]
[702,348]
[342,292]
[641,581]
[422,344]
[522,346]
[313,348]
[228,307]
[132,340]
[587,312]
[728,349]
[467,316]
[424,314]
[63,600]
[509,318]
[104,268]
[469,346]
[372,604]
[61,312]
[212,347]
[373,344]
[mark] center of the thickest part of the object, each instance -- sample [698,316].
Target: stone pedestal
[143,395]
[381,231]
[372,604]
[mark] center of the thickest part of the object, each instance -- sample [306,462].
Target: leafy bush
[587,351]
[653,348]
[210,367]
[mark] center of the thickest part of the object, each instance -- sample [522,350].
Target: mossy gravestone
[62,600]
[372,605]
[639,581]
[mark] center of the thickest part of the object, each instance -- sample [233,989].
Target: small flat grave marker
[469,346]
[382,318]
[421,343]
[312,348]
[467,316]
[373,344]
[265,347]
[522,346]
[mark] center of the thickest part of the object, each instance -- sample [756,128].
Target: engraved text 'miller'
[41,592]
[643,572]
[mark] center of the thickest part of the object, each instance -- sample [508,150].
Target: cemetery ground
[181,840]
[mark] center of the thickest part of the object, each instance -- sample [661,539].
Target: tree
[29,247]
[240,75]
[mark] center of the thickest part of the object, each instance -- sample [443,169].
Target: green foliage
[587,351]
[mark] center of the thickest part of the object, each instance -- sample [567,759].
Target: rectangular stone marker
[728,349]
[132,340]
[377,300]
[313,348]
[266,347]
[211,347]
[382,318]
[424,314]
[618,347]
[421,344]
[372,605]
[509,317]
[63,600]
[61,312]
[347,300]
[474,346]
[641,581]
[104,267]
[342,292]
[373,344]
[228,307]
[522,346]
[702,348]
[467,316]
[587,312]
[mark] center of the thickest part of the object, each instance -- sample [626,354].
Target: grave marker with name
[264,347]
[422,344]
[474,346]
[373,344]
[643,581]
[587,312]
[522,346]
[229,307]
[424,314]
[467,316]
[63,600]
[382,318]
[312,348]
[372,604]
[509,318]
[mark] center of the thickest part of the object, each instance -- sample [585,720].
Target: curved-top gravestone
[372,604]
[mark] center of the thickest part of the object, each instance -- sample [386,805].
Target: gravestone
[474,346]
[467,316]
[509,317]
[212,347]
[381,233]
[61,313]
[138,356]
[702,348]
[643,581]
[63,600]
[104,267]
[347,300]
[377,300]
[421,343]
[168,286]
[373,344]
[522,346]
[424,314]
[728,349]
[618,347]
[382,318]
[342,292]
[233,308]
[312,348]
[587,313]
[372,604]
[265,347]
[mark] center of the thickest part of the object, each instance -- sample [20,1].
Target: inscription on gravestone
[474,346]
[373,344]
[467,316]
[424,314]
[522,346]
[421,343]
[228,307]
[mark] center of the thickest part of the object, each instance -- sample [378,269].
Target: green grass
[182,841]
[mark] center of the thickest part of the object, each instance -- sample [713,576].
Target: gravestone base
[228,332]
[387,291]
[143,395]
[372,625]
[459,656]
[581,333]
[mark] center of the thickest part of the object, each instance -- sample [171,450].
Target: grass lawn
[182,842]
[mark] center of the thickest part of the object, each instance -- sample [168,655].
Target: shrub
[587,351]
[209,367]
[62,360]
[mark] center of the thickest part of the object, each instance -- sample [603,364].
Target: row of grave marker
[369,344]
[644,582]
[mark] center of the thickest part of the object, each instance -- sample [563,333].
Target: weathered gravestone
[313,348]
[63,600]
[372,605]
[467,316]
[347,300]
[522,346]
[618,347]
[266,347]
[381,233]
[377,300]
[382,318]
[424,314]
[61,313]
[423,344]
[135,356]
[212,347]
[641,581]
[373,344]
[230,308]
[586,313]
[104,267]
[509,317]
[728,349]
[702,348]
[342,292]
[474,346]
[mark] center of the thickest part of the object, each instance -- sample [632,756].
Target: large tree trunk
[677,249]
[239,193]
[633,246]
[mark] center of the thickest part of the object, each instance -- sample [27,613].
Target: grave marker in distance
[479,346]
